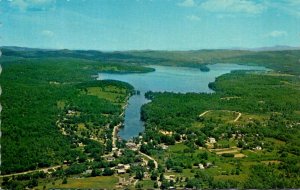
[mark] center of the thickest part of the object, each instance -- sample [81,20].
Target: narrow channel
[170,79]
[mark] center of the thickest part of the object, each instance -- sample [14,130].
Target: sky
[110,25]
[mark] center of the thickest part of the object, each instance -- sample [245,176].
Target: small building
[163,146]
[71,113]
[258,148]
[87,172]
[118,153]
[120,166]
[211,140]
[146,175]
[170,177]
[110,158]
[121,171]
[132,146]
[126,167]
[201,166]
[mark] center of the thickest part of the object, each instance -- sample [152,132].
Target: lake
[166,78]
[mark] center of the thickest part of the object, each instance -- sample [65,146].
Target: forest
[260,150]
[56,115]
[38,93]
[284,61]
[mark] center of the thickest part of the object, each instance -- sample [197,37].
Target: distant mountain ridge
[266,48]
[279,58]
[270,48]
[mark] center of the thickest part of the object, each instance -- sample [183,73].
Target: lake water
[166,78]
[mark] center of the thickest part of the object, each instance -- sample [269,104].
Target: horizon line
[261,48]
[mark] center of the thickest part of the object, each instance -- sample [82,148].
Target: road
[238,117]
[31,171]
[202,114]
[235,120]
[114,135]
[150,158]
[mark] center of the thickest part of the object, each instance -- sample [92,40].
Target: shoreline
[117,127]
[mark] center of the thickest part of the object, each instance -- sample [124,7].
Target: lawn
[109,93]
[146,184]
[107,182]
[246,117]
[221,115]
[185,173]
[177,148]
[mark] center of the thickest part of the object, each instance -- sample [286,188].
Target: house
[118,153]
[168,133]
[132,146]
[87,172]
[163,146]
[211,140]
[121,171]
[120,166]
[146,175]
[201,166]
[71,113]
[126,167]
[258,148]
[110,158]
[170,177]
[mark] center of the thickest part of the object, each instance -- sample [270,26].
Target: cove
[166,78]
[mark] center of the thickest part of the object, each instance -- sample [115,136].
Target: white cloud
[187,3]
[193,18]
[33,4]
[291,7]
[277,34]
[233,6]
[47,33]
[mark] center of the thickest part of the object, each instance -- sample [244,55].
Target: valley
[61,127]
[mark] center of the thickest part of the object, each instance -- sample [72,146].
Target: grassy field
[146,184]
[224,116]
[110,93]
[100,182]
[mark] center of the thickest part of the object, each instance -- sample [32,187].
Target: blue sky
[149,24]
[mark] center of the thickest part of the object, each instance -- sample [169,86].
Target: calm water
[165,78]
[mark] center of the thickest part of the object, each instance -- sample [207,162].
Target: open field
[109,93]
[101,182]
